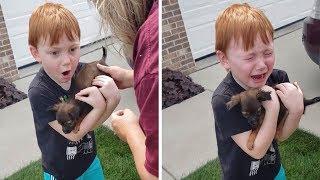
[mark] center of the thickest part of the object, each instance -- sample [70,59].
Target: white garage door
[199,17]
[17,14]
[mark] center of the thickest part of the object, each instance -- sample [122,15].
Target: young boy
[54,36]
[244,47]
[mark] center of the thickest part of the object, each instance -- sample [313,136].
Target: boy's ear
[35,53]
[223,59]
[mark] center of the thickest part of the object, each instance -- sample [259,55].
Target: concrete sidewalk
[188,135]
[17,134]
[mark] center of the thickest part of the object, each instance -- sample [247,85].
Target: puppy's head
[250,101]
[67,115]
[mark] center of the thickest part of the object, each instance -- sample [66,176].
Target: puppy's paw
[250,145]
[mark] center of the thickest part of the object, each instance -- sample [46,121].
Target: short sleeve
[230,122]
[41,105]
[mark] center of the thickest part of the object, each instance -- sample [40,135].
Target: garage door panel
[202,37]
[199,15]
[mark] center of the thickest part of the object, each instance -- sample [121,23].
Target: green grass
[300,156]
[115,156]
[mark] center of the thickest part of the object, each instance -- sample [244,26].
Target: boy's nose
[66,60]
[261,64]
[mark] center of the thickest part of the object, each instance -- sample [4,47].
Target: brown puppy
[252,109]
[71,113]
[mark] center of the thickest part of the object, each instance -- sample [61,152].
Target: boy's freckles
[251,68]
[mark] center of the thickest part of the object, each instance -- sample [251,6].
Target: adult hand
[122,77]
[125,122]
[107,87]
[91,96]
[291,97]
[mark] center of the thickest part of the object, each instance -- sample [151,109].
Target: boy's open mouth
[258,77]
[65,73]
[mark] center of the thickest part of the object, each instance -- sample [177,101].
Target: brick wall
[176,52]
[8,69]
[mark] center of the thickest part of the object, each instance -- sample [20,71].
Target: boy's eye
[249,58]
[268,53]
[54,53]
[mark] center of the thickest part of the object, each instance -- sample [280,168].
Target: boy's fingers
[280,94]
[298,87]
[97,83]
[281,87]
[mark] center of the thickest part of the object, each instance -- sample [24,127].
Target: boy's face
[59,60]
[250,68]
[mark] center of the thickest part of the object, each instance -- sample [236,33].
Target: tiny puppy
[252,109]
[70,114]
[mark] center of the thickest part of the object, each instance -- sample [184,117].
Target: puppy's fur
[252,109]
[71,113]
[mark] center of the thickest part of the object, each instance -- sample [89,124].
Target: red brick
[164,34]
[165,2]
[175,48]
[164,52]
[183,34]
[178,30]
[170,38]
[180,41]
[9,52]
[171,7]
[180,23]
[5,47]
[167,15]
[3,30]
[176,12]
[6,41]
[174,19]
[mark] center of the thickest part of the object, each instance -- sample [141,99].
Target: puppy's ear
[233,101]
[263,95]
[104,56]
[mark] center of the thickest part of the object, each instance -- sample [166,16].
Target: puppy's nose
[66,130]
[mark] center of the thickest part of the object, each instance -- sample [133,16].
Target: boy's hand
[107,87]
[122,77]
[92,96]
[291,97]
[125,122]
[272,104]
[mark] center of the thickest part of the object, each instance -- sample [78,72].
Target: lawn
[115,156]
[300,157]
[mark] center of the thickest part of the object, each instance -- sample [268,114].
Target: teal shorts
[93,172]
[281,175]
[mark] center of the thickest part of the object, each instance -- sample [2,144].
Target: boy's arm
[111,105]
[292,98]
[93,97]
[267,130]
[86,125]
[110,92]
[263,139]
[290,125]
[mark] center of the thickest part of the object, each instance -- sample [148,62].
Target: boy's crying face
[59,60]
[250,68]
